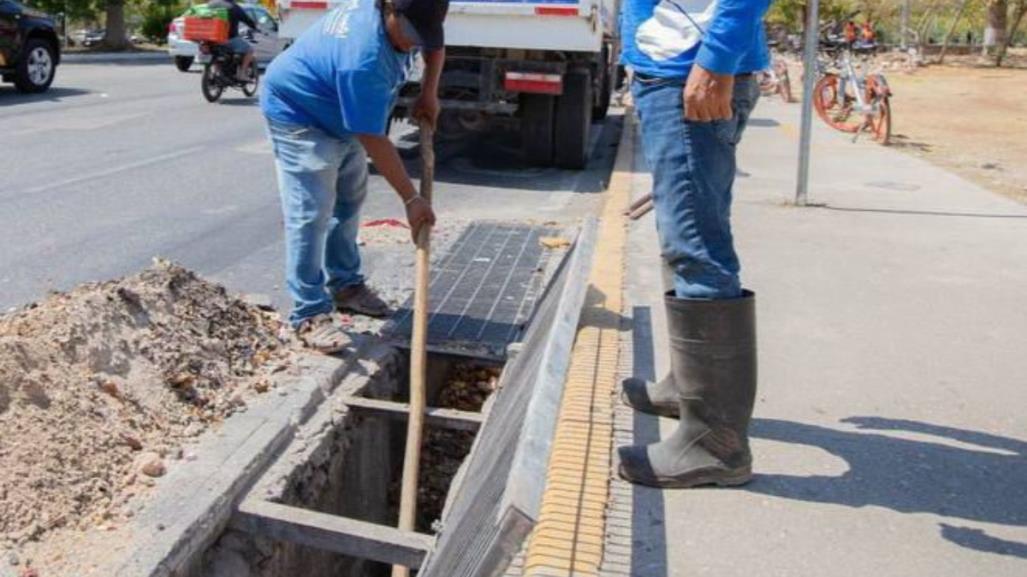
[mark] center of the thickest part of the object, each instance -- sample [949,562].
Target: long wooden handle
[418,354]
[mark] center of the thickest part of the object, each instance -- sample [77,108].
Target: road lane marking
[115,170]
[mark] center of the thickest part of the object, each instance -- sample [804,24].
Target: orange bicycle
[853,101]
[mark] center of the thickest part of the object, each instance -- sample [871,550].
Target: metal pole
[904,32]
[809,79]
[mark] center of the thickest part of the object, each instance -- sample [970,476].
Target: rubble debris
[467,388]
[99,384]
[554,242]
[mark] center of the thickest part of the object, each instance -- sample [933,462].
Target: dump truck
[545,67]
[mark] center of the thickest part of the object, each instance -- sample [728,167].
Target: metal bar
[645,198]
[641,211]
[809,78]
[448,418]
[332,533]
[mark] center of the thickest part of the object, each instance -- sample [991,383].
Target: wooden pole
[418,354]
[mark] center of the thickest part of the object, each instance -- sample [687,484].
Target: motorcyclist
[235,43]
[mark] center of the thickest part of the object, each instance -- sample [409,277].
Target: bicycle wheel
[880,121]
[784,82]
[833,105]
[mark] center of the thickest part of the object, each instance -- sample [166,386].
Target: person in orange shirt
[868,33]
[850,32]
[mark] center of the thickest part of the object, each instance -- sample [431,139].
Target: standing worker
[694,89]
[327,101]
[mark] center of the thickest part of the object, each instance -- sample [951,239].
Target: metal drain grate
[482,292]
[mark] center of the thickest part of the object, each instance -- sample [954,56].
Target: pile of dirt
[102,386]
[467,388]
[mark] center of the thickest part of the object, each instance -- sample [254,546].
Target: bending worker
[327,100]
[693,90]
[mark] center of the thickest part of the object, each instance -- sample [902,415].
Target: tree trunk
[925,21]
[1021,10]
[116,38]
[952,28]
[995,31]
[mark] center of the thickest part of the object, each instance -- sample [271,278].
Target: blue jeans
[322,180]
[693,167]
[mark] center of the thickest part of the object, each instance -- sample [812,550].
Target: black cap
[426,16]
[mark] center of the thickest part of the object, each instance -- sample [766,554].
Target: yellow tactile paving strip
[568,539]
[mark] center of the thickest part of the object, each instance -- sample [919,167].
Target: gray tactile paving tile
[483,290]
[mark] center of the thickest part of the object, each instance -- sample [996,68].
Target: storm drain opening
[347,462]
[328,505]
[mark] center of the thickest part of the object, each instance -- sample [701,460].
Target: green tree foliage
[157,15]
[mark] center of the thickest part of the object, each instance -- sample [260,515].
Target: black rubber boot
[659,398]
[713,361]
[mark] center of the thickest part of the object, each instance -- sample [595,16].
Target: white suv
[265,41]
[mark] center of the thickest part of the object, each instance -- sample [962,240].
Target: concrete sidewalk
[890,437]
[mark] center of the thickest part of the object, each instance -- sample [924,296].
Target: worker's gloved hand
[419,213]
[708,95]
[426,109]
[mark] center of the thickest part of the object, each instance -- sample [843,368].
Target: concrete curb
[114,57]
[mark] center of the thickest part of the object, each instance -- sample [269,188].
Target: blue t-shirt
[663,38]
[342,75]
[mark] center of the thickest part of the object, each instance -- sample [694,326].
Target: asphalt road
[121,163]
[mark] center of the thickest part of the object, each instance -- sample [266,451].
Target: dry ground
[970,119]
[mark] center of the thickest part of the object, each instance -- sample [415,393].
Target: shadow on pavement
[648,529]
[10,96]
[920,212]
[244,101]
[980,541]
[911,476]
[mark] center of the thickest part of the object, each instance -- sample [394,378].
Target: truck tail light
[533,82]
[556,11]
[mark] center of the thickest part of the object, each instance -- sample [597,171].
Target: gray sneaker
[361,300]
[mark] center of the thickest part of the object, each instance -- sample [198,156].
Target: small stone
[192,429]
[160,526]
[150,464]
[132,442]
[989,165]
[262,386]
[111,388]
[190,456]
[13,558]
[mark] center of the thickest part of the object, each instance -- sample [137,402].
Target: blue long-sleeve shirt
[664,38]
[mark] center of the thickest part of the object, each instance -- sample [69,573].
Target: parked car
[29,49]
[94,37]
[265,40]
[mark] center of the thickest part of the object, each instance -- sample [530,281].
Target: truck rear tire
[537,111]
[573,120]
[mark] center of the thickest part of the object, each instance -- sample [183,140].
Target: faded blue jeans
[322,180]
[693,167]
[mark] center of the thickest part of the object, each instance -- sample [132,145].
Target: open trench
[348,462]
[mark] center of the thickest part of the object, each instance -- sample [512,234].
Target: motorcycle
[221,72]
